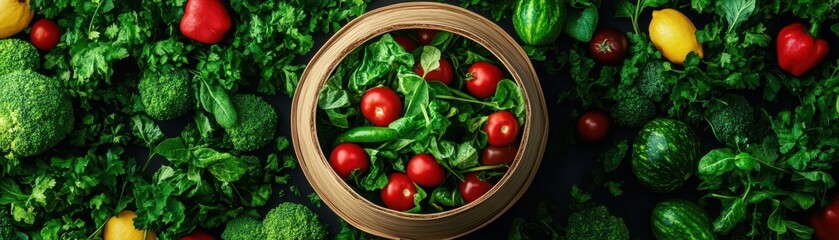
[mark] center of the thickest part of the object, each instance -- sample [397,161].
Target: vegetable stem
[92,18]
[466,100]
[634,18]
[483,168]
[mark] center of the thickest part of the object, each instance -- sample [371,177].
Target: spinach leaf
[443,198]
[380,59]
[417,94]
[466,157]
[418,197]
[734,211]
[716,162]
[581,25]
[509,96]
[224,166]
[376,177]
[736,11]
[430,59]
[215,100]
[613,156]
[173,149]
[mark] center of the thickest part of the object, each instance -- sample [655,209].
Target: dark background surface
[559,169]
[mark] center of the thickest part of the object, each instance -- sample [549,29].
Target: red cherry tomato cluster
[381,106]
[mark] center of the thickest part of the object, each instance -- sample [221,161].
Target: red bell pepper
[205,21]
[798,51]
[198,235]
[826,222]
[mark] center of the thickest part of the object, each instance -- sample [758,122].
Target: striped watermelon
[665,154]
[539,22]
[681,220]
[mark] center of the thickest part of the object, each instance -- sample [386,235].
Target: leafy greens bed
[107,50]
[772,110]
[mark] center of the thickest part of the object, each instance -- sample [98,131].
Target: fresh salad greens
[419,123]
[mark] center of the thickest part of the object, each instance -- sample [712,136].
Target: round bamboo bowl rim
[378,220]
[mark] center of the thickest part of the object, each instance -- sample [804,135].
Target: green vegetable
[257,121]
[652,83]
[292,221]
[680,219]
[632,109]
[35,114]
[730,116]
[366,134]
[580,25]
[7,229]
[254,165]
[243,228]
[665,154]
[595,222]
[539,22]
[16,54]
[166,94]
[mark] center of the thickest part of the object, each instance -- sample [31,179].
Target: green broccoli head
[166,94]
[243,228]
[254,165]
[7,230]
[16,54]
[595,223]
[632,109]
[257,123]
[651,82]
[35,114]
[292,221]
[729,116]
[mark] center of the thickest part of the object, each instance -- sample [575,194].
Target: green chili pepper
[367,134]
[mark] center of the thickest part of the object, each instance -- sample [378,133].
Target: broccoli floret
[595,223]
[651,82]
[35,114]
[165,94]
[632,109]
[16,54]
[292,221]
[243,228]
[254,165]
[729,116]
[257,123]
[7,230]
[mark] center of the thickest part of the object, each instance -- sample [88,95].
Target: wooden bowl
[381,221]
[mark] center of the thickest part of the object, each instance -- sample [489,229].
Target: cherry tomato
[442,73]
[381,106]
[349,157]
[473,188]
[198,235]
[502,128]
[405,42]
[426,36]
[424,170]
[45,34]
[608,46]
[483,78]
[499,155]
[399,192]
[593,126]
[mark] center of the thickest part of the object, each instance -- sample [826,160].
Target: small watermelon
[539,22]
[665,154]
[680,220]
